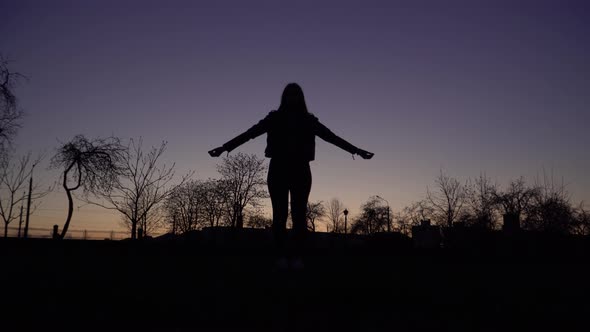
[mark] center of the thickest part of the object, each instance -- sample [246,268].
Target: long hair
[293,99]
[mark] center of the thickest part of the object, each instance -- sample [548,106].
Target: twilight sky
[501,87]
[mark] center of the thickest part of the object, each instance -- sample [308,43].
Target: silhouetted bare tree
[184,206]
[481,202]
[516,198]
[245,184]
[447,199]
[151,222]
[213,198]
[419,211]
[143,186]
[14,176]
[335,216]
[412,215]
[314,213]
[10,114]
[93,165]
[373,217]
[581,222]
[550,209]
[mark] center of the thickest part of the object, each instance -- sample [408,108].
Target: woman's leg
[279,197]
[300,189]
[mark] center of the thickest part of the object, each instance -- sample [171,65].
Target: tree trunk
[144,226]
[240,221]
[70,212]
[133,229]
[70,200]
[20,221]
[5,230]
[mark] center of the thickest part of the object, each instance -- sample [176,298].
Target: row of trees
[127,178]
[228,201]
[124,178]
[541,206]
[138,186]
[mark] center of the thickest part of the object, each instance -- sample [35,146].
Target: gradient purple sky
[501,87]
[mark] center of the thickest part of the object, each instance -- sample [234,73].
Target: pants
[286,177]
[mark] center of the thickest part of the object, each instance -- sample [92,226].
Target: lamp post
[388,220]
[26,235]
[345,219]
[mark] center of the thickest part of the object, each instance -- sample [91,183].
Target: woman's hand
[365,154]
[216,152]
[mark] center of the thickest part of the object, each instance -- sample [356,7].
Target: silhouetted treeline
[232,200]
[479,203]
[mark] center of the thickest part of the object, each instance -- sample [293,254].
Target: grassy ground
[185,285]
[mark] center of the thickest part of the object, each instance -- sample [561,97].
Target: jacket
[290,136]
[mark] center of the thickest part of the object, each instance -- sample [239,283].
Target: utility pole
[29,203]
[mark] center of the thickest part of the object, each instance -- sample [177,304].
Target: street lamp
[345,219]
[388,221]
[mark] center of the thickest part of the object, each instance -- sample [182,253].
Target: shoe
[297,264]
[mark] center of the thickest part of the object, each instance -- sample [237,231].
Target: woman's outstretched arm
[327,135]
[258,129]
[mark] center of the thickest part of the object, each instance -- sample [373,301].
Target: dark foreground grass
[188,286]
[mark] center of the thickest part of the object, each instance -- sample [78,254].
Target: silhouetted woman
[291,132]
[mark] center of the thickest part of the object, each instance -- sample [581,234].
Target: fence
[76,234]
